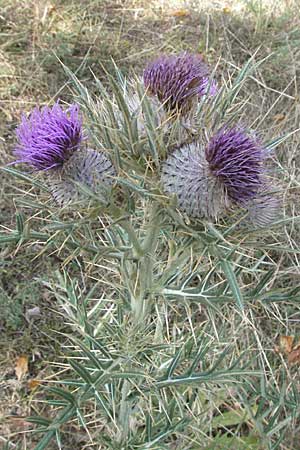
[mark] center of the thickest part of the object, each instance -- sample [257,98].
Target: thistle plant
[50,140]
[178,81]
[159,298]
[48,137]
[236,159]
[171,89]
[206,181]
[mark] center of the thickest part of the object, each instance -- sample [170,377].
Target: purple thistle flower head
[48,137]
[178,80]
[236,159]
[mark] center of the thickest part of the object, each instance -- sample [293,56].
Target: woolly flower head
[48,137]
[236,159]
[90,169]
[263,210]
[206,181]
[186,174]
[178,80]
[49,140]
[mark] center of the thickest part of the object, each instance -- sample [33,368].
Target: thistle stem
[133,238]
[144,273]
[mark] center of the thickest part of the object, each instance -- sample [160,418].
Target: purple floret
[237,160]
[48,136]
[176,80]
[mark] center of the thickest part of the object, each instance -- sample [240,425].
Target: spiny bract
[186,173]
[90,168]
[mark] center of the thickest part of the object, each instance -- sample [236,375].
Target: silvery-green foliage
[148,113]
[159,312]
[134,102]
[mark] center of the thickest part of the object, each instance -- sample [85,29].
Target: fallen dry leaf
[278,117]
[32,313]
[21,367]
[180,13]
[290,348]
[19,423]
[286,344]
[294,356]
[32,384]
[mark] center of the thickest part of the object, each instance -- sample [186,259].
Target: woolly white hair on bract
[179,128]
[186,174]
[263,210]
[135,105]
[90,168]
